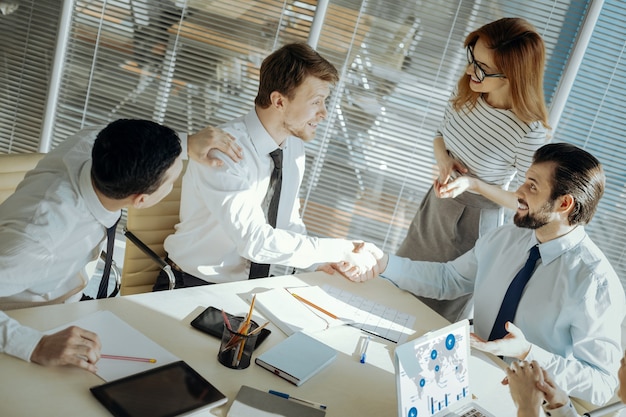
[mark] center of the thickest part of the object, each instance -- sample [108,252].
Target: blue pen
[364,349]
[300,400]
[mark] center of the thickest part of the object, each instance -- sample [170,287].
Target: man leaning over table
[225,231]
[56,222]
[570,313]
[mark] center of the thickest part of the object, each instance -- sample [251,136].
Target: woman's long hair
[520,54]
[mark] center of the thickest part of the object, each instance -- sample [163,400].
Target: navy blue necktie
[263,270]
[514,295]
[104,282]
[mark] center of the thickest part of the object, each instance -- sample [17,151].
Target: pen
[315,306]
[300,400]
[364,349]
[128,358]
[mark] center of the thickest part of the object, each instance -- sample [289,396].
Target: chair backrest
[13,167]
[152,225]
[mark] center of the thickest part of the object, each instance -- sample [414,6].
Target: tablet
[169,390]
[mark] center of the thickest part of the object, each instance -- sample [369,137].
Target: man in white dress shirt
[570,313]
[56,222]
[224,226]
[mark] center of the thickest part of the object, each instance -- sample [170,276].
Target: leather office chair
[151,225]
[13,167]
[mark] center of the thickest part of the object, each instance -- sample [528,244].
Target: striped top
[494,144]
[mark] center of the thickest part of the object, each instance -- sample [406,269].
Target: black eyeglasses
[478,71]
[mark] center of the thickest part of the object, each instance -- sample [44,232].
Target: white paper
[120,339]
[291,315]
[360,312]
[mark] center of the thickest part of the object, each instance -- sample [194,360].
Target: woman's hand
[454,188]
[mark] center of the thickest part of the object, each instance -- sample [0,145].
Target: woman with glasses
[494,122]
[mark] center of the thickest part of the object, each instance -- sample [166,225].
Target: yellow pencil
[315,306]
[244,330]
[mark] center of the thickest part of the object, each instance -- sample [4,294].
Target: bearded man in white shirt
[56,222]
[570,313]
[225,231]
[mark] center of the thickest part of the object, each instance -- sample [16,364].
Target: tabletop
[347,387]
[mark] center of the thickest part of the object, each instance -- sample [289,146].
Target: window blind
[184,64]
[372,167]
[594,119]
[28,31]
[191,63]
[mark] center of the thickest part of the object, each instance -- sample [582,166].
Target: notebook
[251,402]
[297,358]
[432,374]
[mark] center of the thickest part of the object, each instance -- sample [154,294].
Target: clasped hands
[530,386]
[363,263]
[451,180]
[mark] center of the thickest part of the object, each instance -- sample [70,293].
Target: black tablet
[210,321]
[169,390]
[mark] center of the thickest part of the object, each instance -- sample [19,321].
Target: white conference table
[347,387]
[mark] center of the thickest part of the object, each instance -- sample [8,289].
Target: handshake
[363,263]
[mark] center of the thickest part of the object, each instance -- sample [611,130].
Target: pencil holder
[237,343]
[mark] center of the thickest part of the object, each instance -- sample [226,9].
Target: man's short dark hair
[132,156]
[577,173]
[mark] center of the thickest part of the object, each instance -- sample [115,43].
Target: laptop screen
[432,371]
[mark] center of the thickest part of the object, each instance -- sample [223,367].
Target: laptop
[432,375]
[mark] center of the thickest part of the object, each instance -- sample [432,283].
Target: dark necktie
[514,295]
[263,270]
[104,282]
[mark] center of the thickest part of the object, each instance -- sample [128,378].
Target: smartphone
[210,321]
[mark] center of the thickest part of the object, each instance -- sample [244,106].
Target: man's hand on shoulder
[201,144]
[72,346]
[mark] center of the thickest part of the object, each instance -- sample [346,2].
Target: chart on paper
[370,316]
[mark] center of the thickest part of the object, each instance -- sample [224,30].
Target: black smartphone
[210,321]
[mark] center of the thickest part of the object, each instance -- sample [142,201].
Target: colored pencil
[128,358]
